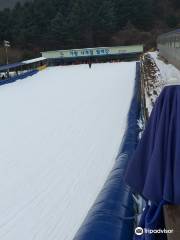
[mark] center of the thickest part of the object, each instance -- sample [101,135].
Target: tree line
[50,24]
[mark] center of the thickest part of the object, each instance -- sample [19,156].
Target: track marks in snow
[60,133]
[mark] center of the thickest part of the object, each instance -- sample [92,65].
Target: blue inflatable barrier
[19,77]
[112,216]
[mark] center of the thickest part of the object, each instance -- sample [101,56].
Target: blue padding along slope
[19,77]
[112,215]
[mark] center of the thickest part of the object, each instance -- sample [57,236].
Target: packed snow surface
[60,131]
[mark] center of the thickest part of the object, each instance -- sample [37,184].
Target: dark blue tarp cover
[112,215]
[156,162]
[152,219]
[154,170]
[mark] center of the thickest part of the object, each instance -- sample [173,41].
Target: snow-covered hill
[60,131]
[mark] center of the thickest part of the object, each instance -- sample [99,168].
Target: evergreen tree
[142,16]
[5,25]
[176,4]
[58,30]
[172,21]
[52,24]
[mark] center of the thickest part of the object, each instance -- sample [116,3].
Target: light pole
[6,46]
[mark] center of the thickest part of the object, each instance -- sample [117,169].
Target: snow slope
[60,131]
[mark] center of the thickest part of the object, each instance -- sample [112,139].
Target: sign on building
[90,52]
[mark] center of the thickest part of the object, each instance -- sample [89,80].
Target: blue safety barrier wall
[19,77]
[112,215]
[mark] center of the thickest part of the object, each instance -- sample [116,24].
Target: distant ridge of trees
[40,25]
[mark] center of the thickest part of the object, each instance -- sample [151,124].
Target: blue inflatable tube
[112,215]
[19,77]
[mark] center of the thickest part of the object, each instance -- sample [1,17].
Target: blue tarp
[156,162]
[112,215]
[153,172]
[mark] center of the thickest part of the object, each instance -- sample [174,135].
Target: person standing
[90,64]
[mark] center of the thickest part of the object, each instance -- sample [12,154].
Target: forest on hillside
[10,3]
[61,24]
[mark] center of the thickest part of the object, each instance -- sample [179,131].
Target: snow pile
[60,133]
[157,74]
[168,71]
[151,80]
